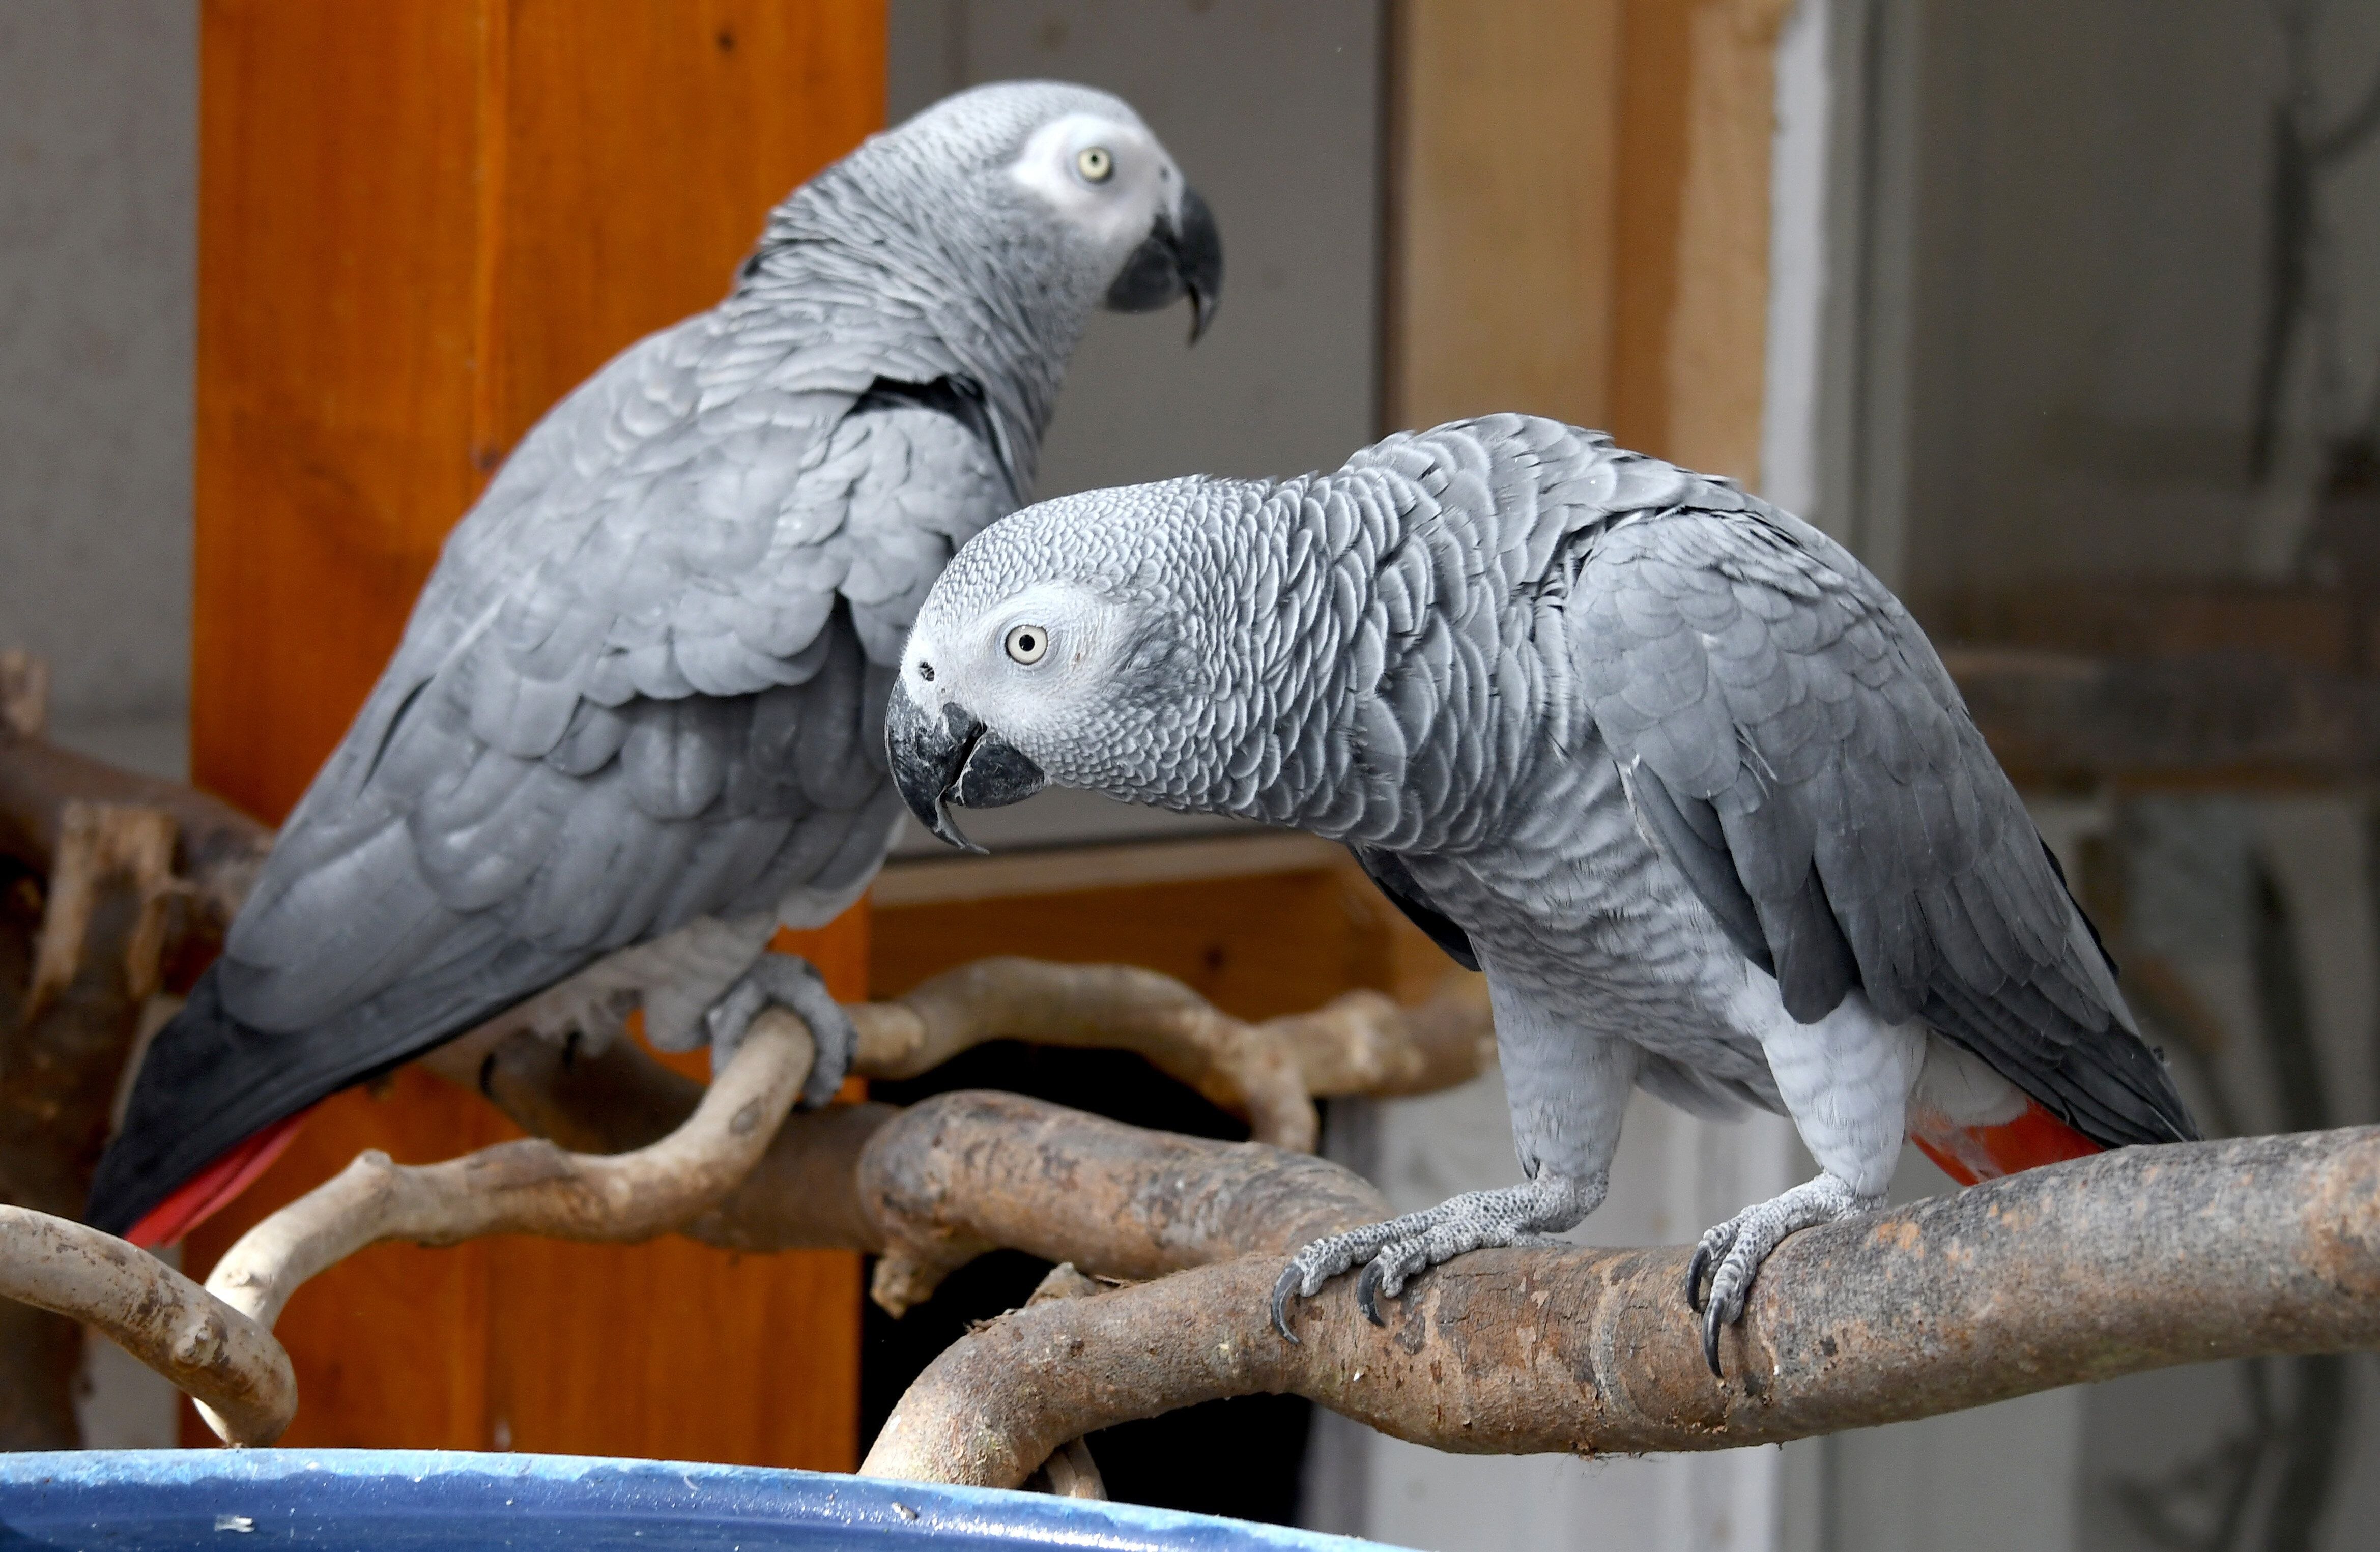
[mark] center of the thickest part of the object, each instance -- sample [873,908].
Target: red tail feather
[1968,1154]
[214,1187]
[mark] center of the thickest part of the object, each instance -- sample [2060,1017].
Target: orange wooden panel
[760,1365]
[1654,98]
[337,239]
[421,221]
[639,160]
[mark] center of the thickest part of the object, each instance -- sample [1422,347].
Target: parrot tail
[216,1186]
[214,1102]
[2028,1140]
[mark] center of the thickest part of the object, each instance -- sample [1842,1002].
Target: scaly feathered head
[1106,640]
[1059,189]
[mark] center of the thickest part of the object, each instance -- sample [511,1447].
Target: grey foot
[1731,1253]
[1396,1250]
[791,982]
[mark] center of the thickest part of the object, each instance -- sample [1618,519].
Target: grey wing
[645,684]
[1784,727]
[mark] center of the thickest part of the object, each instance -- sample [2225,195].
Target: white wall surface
[98,234]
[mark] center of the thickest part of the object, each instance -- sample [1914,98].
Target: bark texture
[967,1172]
[213,1351]
[2081,1271]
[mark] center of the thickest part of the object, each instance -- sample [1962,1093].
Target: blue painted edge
[442,1482]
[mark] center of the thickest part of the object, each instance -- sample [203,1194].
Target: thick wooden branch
[963,1173]
[2081,1271]
[215,1352]
[1071,1473]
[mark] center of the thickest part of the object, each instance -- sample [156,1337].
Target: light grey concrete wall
[1273,107]
[2090,244]
[98,235]
[2050,311]
[98,241]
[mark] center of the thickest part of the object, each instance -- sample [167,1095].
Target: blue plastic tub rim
[368,1500]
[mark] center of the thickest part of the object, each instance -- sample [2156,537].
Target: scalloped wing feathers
[1780,724]
[643,685]
[1791,737]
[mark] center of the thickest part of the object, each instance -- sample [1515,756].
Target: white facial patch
[1116,213]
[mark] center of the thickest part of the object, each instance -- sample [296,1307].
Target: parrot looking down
[1667,764]
[635,721]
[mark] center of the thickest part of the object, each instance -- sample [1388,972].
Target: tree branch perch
[2081,1271]
[211,1350]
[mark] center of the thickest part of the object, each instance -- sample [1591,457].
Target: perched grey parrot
[638,706]
[1667,763]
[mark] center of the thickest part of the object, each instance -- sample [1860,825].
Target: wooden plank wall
[422,222]
[1579,217]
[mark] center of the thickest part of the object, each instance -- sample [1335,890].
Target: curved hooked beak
[953,758]
[1179,257]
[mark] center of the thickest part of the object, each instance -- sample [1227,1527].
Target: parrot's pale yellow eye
[1095,164]
[1027,644]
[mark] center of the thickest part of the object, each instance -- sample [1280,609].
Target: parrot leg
[1396,1250]
[1730,1253]
[791,982]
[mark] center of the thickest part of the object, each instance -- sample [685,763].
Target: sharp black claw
[1367,1293]
[1694,1270]
[1710,1341]
[1281,1291]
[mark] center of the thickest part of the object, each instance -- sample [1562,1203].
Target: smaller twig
[528,1186]
[229,1363]
[1110,1006]
[1268,1073]
[932,1205]
[1367,1043]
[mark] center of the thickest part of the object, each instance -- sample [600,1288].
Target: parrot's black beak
[950,759]
[1179,258]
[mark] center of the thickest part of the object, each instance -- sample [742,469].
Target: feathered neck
[972,288]
[1367,687]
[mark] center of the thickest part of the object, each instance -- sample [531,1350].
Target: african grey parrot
[639,701]
[1668,763]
